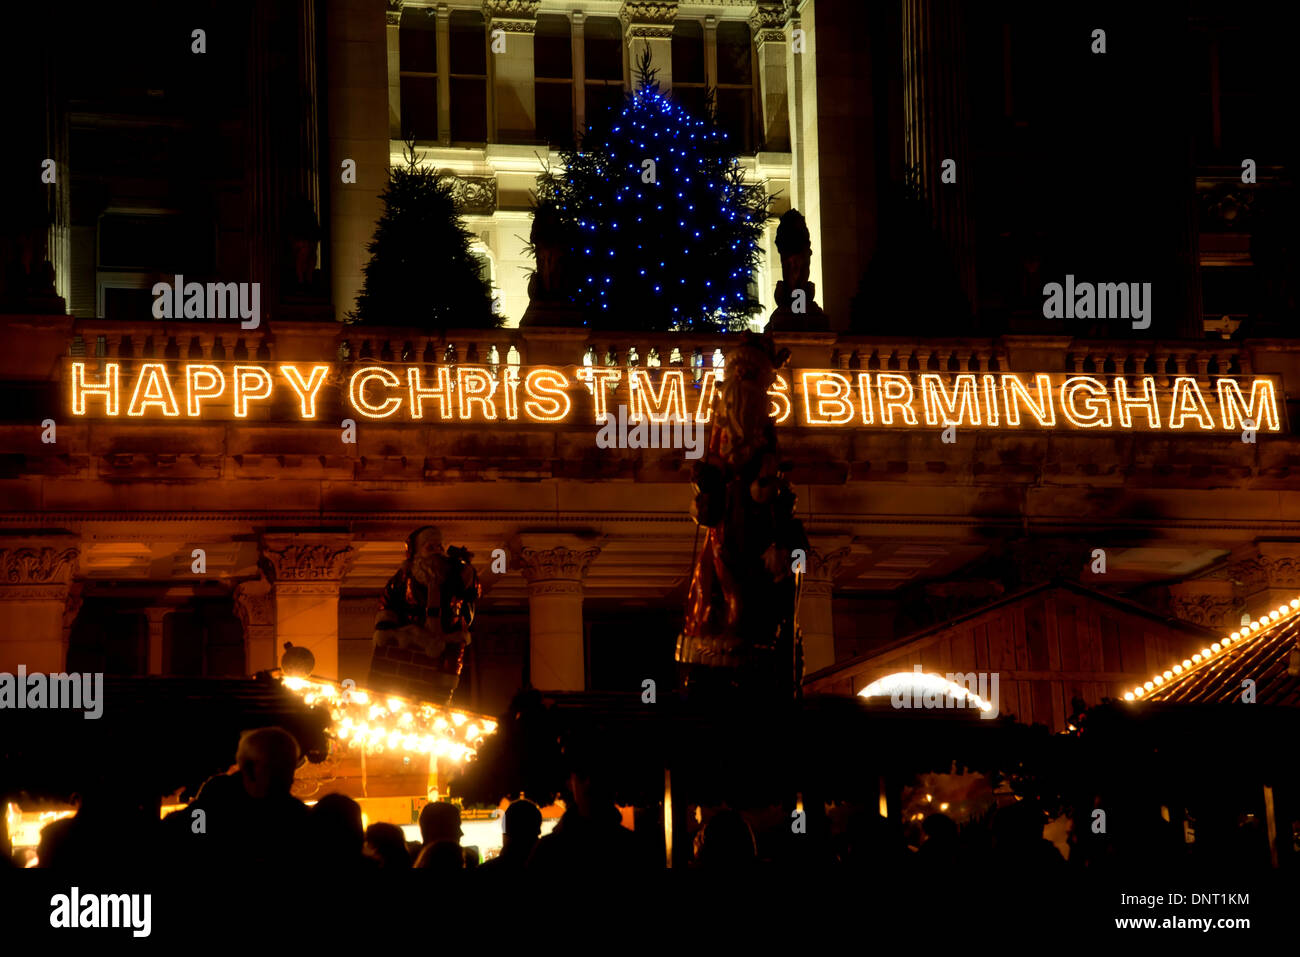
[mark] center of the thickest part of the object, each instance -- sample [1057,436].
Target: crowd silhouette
[249,821]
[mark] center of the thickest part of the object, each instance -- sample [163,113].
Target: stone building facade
[101,526]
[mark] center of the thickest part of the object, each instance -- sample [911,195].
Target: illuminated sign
[814,398]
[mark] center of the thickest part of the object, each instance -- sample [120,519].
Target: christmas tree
[665,232]
[421,270]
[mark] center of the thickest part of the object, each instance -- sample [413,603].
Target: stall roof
[1268,655]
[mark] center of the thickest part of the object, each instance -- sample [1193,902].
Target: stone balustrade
[51,341]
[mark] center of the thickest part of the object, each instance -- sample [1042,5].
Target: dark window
[736,117]
[688,52]
[110,639]
[601,99]
[735,96]
[603,53]
[693,98]
[203,640]
[468,77]
[603,49]
[555,113]
[553,49]
[469,109]
[420,107]
[418,80]
[734,54]
[468,43]
[128,305]
[553,91]
[418,42]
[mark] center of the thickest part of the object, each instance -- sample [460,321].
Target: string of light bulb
[1215,650]
[374,722]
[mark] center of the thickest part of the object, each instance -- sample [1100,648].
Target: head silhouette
[267,759]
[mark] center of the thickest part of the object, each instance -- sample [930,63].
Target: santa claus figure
[427,607]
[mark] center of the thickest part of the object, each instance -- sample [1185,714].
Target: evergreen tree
[421,271]
[665,231]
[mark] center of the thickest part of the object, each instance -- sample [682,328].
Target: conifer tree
[666,233]
[421,270]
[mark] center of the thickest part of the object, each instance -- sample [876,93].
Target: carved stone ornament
[475,194]
[1208,611]
[558,563]
[639,12]
[308,562]
[510,8]
[36,565]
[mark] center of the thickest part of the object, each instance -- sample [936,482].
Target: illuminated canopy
[917,684]
[374,723]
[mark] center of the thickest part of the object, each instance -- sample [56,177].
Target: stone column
[255,606]
[578,39]
[35,579]
[444,74]
[357,50]
[936,123]
[710,52]
[306,571]
[156,614]
[554,567]
[774,105]
[650,22]
[513,88]
[816,620]
[393,34]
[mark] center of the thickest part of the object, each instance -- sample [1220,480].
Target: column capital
[547,560]
[512,16]
[254,604]
[769,17]
[393,15]
[306,564]
[824,564]
[648,19]
[37,568]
